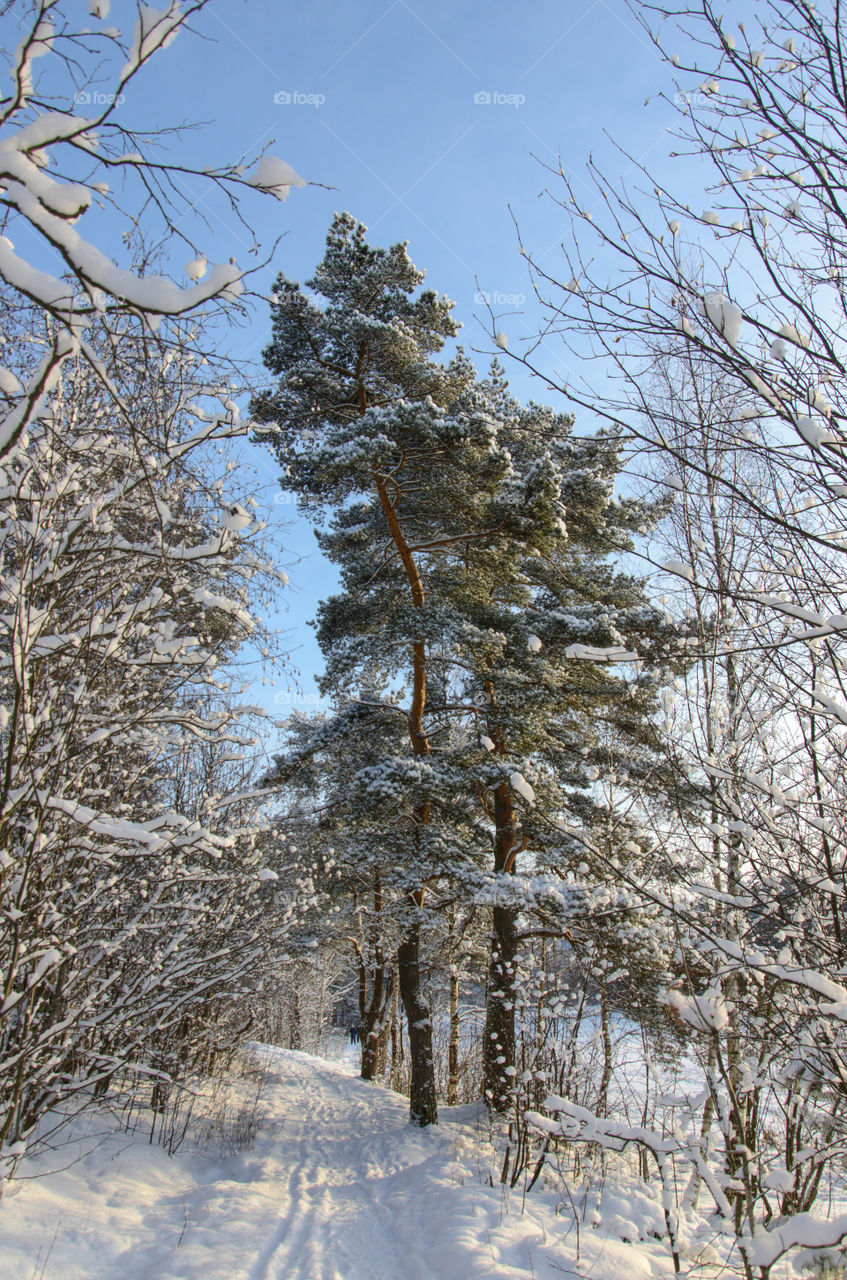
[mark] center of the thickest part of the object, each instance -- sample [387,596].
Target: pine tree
[449,510]
[538,620]
[366,433]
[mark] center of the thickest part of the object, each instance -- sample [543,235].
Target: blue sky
[430,122]
[385,104]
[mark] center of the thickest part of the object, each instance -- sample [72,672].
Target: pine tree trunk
[498,1045]
[382,1047]
[369,1043]
[368,1025]
[375,1023]
[376,984]
[396,1047]
[453,1045]
[423,1108]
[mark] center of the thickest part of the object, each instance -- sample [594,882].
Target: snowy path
[348,1190]
[338,1187]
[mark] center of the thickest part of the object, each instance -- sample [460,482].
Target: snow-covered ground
[337,1186]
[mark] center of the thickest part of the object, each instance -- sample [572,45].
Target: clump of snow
[9,384]
[594,653]
[679,568]
[707,1012]
[725,316]
[814,433]
[154,29]
[196,268]
[236,518]
[796,336]
[519,783]
[275,176]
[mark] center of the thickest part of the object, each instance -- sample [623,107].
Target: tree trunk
[295,1030]
[382,1044]
[453,1045]
[606,1035]
[396,1076]
[423,1108]
[374,1023]
[369,1066]
[498,1045]
[376,984]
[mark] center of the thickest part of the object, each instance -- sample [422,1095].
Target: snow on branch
[39,147]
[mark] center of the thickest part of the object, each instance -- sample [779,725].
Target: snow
[707,1012]
[593,653]
[725,316]
[533,643]
[814,433]
[9,383]
[519,783]
[236,518]
[791,334]
[196,268]
[151,293]
[769,1244]
[337,1186]
[501,340]
[681,569]
[275,176]
[154,29]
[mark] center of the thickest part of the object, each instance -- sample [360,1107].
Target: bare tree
[129,876]
[718,326]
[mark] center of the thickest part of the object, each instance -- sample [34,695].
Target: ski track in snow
[339,1186]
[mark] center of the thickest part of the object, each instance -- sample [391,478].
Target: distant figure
[354,1034]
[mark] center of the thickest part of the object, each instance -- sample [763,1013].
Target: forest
[560,841]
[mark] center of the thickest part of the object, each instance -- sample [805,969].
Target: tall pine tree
[471,536]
